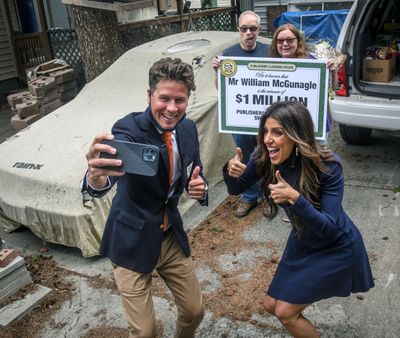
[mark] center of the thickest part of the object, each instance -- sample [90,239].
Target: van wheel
[355,135]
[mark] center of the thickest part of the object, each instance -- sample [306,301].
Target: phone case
[137,158]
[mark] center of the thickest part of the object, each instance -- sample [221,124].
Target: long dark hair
[297,123]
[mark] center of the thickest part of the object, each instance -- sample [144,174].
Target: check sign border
[301,63]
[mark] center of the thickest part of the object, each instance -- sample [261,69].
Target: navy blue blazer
[328,259]
[132,236]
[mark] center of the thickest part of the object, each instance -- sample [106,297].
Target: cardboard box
[379,70]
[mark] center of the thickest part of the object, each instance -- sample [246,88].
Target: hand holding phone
[137,158]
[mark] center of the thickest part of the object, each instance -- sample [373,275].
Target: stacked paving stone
[54,86]
[44,91]
[64,77]
[13,277]
[66,84]
[26,110]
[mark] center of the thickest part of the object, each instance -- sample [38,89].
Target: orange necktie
[168,143]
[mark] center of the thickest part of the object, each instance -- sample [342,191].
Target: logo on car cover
[23,165]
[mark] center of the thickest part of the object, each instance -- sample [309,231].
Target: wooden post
[236,14]
[158,7]
[45,38]
[180,12]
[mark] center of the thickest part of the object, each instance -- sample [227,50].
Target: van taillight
[342,85]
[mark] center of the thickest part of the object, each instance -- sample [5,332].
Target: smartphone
[137,158]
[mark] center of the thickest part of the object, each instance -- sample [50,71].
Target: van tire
[355,135]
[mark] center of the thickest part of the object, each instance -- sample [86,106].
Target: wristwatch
[205,190]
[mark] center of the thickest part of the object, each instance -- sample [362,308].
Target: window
[337,5]
[310,5]
[305,7]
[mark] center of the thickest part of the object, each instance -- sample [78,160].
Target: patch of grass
[216,228]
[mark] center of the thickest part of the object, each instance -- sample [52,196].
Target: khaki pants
[177,271]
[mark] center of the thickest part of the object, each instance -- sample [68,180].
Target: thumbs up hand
[280,178]
[195,173]
[239,154]
[235,166]
[197,186]
[282,191]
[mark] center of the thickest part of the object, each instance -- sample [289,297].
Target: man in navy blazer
[144,229]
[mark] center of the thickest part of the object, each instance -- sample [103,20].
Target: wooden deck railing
[31,50]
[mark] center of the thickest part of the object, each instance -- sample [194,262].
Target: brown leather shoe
[244,208]
[264,207]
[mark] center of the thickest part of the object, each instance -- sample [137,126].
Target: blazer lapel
[153,136]
[181,149]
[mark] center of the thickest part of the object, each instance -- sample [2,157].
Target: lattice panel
[219,22]
[65,46]
[137,36]
[149,32]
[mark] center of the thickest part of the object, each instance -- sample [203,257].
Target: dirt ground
[219,234]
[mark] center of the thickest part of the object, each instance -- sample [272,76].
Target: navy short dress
[328,259]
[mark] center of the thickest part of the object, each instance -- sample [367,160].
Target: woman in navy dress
[325,254]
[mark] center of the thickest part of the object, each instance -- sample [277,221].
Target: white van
[368,96]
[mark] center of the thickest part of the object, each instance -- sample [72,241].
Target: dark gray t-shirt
[260,51]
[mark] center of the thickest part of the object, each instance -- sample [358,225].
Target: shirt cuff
[108,185]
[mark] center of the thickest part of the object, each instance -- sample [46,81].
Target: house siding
[8,68]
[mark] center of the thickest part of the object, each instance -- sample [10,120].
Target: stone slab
[13,276]
[15,264]
[51,70]
[15,285]
[16,310]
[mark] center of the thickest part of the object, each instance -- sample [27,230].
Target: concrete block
[15,264]
[63,75]
[17,309]
[7,256]
[14,99]
[41,86]
[49,97]
[69,95]
[66,86]
[28,108]
[17,123]
[49,107]
[28,98]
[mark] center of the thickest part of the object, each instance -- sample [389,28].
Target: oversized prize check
[248,86]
